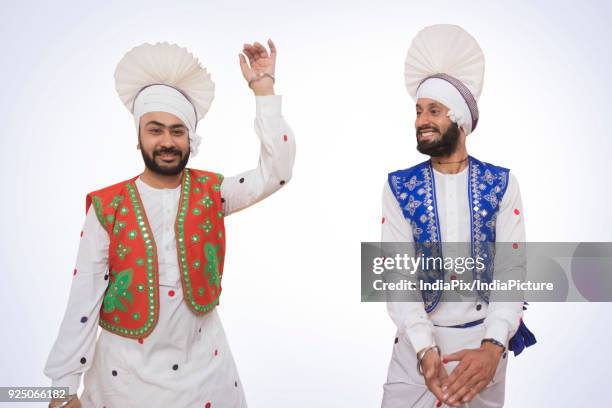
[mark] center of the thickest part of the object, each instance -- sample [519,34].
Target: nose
[166,139]
[422,120]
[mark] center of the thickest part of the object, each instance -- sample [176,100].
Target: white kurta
[186,361]
[417,329]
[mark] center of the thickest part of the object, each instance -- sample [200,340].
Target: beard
[442,146]
[151,164]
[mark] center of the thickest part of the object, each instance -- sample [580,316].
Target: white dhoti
[405,387]
[185,362]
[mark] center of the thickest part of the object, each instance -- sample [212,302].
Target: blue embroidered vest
[415,191]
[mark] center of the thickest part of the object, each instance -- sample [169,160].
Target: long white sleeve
[409,317]
[503,318]
[276,158]
[73,350]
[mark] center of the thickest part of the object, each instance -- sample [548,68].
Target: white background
[291,304]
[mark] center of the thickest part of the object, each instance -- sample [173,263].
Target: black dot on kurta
[235,383]
[396,340]
[222,199]
[83,360]
[282,182]
[106,276]
[200,330]
[114,373]
[241,179]
[175,367]
[504,355]
[83,319]
[478,306]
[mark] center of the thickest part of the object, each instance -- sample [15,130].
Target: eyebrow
[430,105]
[156,123]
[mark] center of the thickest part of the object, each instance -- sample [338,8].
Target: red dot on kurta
[207,405]
[170,293]
[74,272]
[285,138]
[141,341]
[515,245]
[383,220]
[216,352]
[453,277]
[81,233]
[516,211]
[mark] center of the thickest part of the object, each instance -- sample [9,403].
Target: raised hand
[259,70]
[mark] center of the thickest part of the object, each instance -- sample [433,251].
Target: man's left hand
[475,370]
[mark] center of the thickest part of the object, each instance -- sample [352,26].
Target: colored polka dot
[453,277]
[74,272]
[200,330]
[515,245]
[216,352]
[478,306]
[140,341]
[81,234]
[222,199]
[396,340]
[114,373]
[170,293]
[235,383]
[383,220]
[516,211]
[175,367]
[207,405]
[282,182]
[241,179]
[83,319]
[106,276]
[83,360]
[285,138]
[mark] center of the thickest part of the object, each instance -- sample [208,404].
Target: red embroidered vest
[131,301]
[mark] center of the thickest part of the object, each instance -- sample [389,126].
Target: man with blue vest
[451,352]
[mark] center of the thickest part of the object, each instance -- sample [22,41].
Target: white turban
[445,93]
[164,98]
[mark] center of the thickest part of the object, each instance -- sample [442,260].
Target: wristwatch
[497,343]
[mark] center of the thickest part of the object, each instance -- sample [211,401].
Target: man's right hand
[434,373]
[56,402]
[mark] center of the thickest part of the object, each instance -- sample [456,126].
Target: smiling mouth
[427,134]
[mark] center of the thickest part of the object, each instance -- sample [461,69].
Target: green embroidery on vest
[202,179]
[196,211]
[216,187]
[195,238]
[110,218]
[124,210]
[97,202]
[122,251]
[119,225]
[118,291]
[132,234]
[206,226]
[206,201]
[212,267]
[116,201]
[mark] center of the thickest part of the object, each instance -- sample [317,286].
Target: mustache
[167,150]
[427,128]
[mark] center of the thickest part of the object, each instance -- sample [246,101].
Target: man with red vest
[152,248]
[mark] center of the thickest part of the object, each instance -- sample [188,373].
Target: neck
[452,163]
[156,180]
